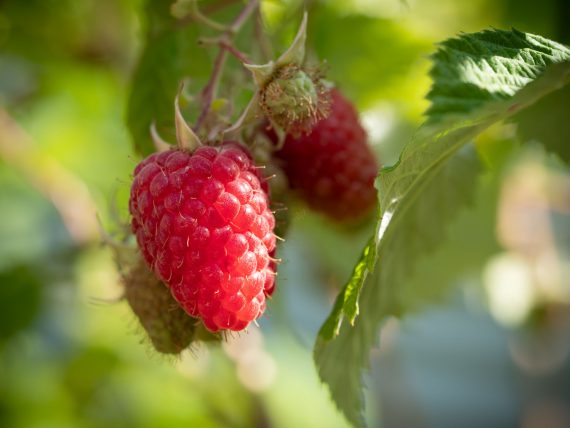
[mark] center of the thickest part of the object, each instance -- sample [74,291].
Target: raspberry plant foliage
[170,54]
[478,79]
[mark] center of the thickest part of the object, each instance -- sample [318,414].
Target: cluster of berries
[203,222]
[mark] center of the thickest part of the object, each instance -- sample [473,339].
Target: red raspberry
[203,225]
[332,167]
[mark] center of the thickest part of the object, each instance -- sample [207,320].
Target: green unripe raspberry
[294,99]
[292,91]
[168,326]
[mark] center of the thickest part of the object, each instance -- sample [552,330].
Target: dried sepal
[251,113]
[159,144]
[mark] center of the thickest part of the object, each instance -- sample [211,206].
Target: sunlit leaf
[479,79]
[346,303]
[475,69]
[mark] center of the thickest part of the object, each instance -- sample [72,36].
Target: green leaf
[365,74]
[171,53]
[541,122]
[20,299]
[347,301]
[479,79]
[432,277]
[475,69]
[339,361]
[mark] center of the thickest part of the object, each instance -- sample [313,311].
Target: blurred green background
[71,353]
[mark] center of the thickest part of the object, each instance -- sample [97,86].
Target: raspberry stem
[243,16]
[226,44]
[209,91]
[197,16]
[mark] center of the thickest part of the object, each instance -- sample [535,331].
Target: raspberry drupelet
[203,224]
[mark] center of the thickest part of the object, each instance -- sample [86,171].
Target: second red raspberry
[332,167]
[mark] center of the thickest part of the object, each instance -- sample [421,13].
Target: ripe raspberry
[332,167]
[203,224]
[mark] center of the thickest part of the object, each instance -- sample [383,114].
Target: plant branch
[224,43]
[209,91]
[197,16]
[235,52]
[243,15]
[209,9]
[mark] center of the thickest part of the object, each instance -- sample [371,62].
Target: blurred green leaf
[541,122]
[378,66]
[29,27]
[171,53]
[479,79]
[30,227]
[17,79]
[87,371]
[20,300]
